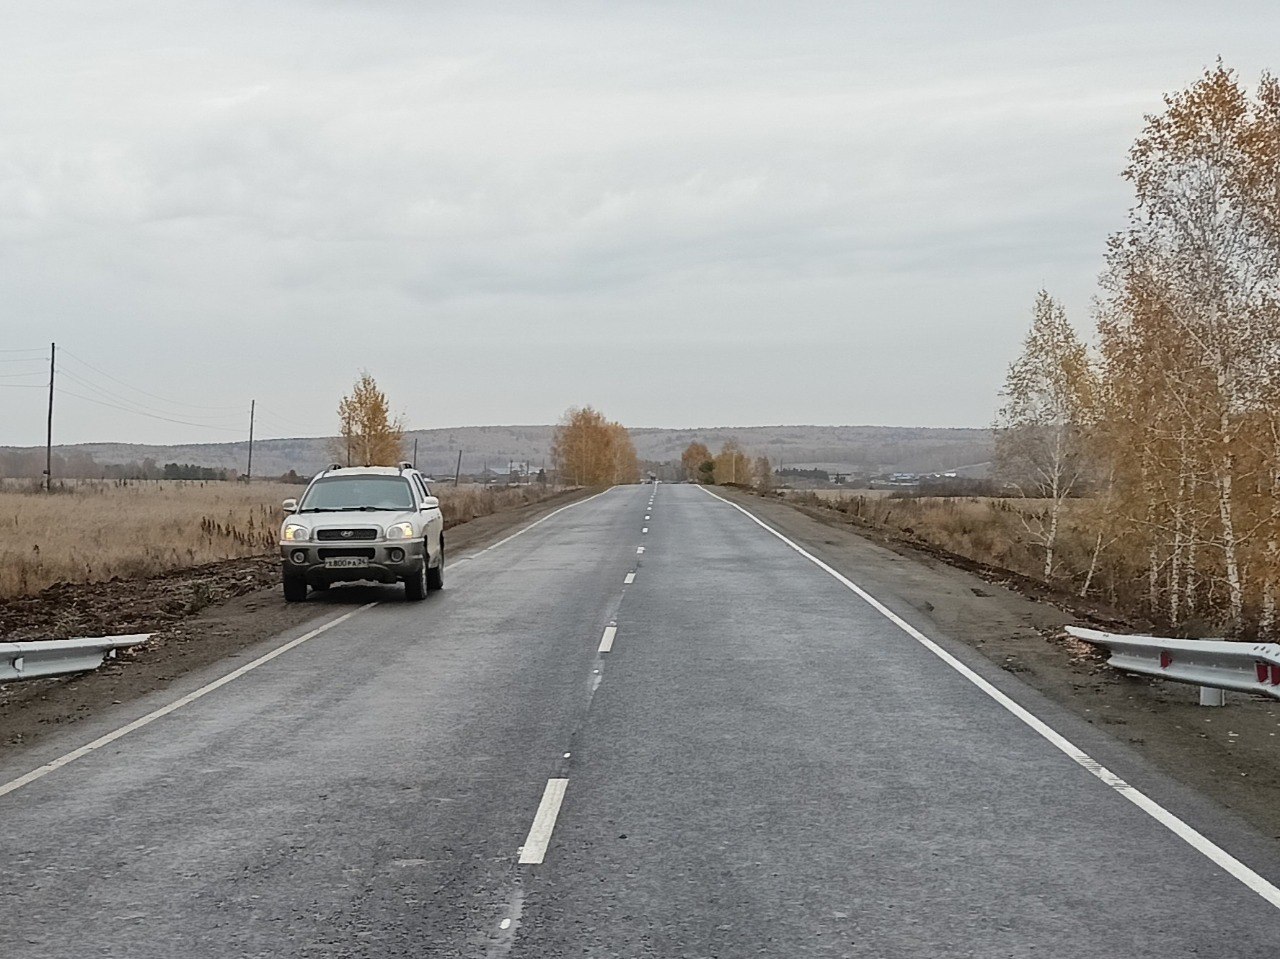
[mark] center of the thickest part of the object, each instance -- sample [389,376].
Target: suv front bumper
[381,561]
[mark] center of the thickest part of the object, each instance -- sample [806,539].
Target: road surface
[644,727]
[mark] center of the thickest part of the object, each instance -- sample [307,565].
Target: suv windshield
[357,492]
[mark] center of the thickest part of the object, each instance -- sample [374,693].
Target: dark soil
[196,616]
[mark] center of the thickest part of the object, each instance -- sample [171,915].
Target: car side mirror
[290,506]
[430,502]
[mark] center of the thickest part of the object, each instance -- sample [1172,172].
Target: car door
[432,516]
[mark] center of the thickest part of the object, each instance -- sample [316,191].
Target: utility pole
[248,473]
[48,443]
[458,470]
[415,452]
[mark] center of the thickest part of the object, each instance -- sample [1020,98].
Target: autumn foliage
[1174,431]
[590,450]
[368,434]
[693,459]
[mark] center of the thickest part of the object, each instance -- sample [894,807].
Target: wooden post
[48,443]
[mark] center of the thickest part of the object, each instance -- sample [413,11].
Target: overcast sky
[686,213]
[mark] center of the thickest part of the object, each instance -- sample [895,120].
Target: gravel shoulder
[1227,754]
[198,616]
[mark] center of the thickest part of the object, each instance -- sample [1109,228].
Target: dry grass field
[836,495]
[988,530]
[93,531]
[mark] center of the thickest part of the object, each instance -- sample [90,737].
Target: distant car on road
[377,523]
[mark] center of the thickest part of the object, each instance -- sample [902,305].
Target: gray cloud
[808,213]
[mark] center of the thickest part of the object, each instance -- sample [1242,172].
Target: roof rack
[404,465]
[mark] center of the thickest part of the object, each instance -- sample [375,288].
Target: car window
[354,492]
[422,486]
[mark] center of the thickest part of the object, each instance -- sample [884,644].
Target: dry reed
[92,531]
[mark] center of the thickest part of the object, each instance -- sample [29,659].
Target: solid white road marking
[1182,830]
[541,521]
[631,578]
[152,716]
[535,844]
[606,641]
[87,748]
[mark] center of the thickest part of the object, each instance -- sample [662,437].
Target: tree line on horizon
[730,467]
[1157,444]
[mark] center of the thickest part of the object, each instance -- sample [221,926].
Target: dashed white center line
[631,578]
[645,530]
[639,549]
[535,845]
[606,641]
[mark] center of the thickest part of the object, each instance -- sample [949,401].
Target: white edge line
[1178,827]
[541,521]
[105,740]
[606,641]
[191,697]
[535,845]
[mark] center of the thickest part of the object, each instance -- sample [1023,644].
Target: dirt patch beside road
[198,616]
[1228,754]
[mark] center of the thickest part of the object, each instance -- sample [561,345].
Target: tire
[295,589]
[321,586]
[415,587]
[435,575]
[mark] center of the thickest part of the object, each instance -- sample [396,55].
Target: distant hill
[868,448]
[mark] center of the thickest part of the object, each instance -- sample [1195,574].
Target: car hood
[354,520]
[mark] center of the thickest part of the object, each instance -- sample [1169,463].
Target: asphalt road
[758,764]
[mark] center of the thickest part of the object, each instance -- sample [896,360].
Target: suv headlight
[293,533]
[400,531]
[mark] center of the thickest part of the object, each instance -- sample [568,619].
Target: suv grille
[346,534]
[368,552]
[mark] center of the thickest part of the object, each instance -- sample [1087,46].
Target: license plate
[345,562]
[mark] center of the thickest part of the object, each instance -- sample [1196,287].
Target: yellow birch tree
[368,434]
[589,450]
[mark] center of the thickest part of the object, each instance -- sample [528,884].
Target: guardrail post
[1209,696]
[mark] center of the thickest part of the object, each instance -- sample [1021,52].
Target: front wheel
[295,589]
[435,575]
[415,587]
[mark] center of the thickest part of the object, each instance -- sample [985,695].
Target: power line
[154,416]
[22,386]
[283,419]
[137,389]
[133,405]
[277,425]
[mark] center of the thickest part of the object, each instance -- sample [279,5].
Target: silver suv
[377,523]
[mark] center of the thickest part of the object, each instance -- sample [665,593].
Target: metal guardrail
[60,656]
[1211,664]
